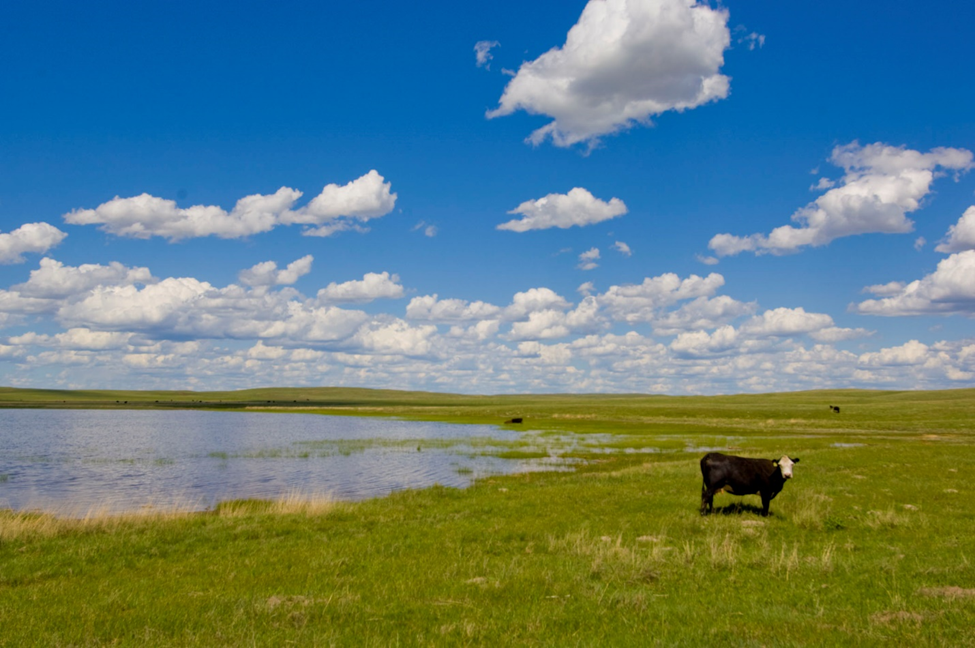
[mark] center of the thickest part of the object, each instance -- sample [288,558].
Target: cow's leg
[765,502]
[707,500]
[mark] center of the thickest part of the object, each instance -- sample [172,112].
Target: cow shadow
[739,509]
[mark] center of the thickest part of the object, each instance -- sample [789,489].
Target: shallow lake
[118,460]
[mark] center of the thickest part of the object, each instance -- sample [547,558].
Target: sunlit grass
[870,544]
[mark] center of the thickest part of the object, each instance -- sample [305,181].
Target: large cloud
[576,208]
[881,184]
[622,63]
[335,209]
[372,286]
[145,216]
[54,280]
[961,235]
[37,238]
[338,208]
[643,302]
[949,290]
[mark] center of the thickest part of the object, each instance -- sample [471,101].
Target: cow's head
[785,465]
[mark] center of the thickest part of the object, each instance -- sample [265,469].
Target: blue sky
[655,196]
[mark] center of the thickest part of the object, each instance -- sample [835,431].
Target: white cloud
[36,238]
[881,185]
[622,63]
[910,353]
[551,323]
[144,216]
[833,334]
[782,322]
[262,352]
[586,289]
[753,40]
[54,280]
[576,208]
[697,344]
[702,313]
[396,338]
[532,300]
[587,260]
[372,286]
[432,309]
[641,302]
[919,243]
[961,235]
[76,338]
[885,290]
[339,208]
[336,208]
[482,53]
[428,230]
[622,248]
[267,273]
[949,290]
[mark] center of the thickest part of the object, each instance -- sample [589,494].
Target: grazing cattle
[835,408]
[514,420]
[743,476]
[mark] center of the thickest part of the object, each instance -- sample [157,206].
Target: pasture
[871,542]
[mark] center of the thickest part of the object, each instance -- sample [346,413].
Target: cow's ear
[775,463]
[796,460]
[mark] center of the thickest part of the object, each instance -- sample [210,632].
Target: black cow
[743,476]
[835,408]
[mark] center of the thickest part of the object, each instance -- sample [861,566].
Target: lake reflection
[125,459]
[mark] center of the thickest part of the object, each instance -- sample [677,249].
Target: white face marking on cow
[785,465]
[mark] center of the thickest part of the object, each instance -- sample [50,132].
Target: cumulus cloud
[396,338]
[961,235]
[702,313]
[267,273]
[782,322]
[699,344]
[576,208]
[431,308]
[339,208]
[642,302]
[35,238]
[372,286]
[145,216]
[336,208]
[532,300]
[622,63]
[54,280]
[949,290]
[881,185]
[482,53]
[910,353]
[587,260]
[77,339]
[551,323]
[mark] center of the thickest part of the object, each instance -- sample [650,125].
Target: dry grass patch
[950,592]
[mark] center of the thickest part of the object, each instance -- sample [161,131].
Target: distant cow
[835,408]
[513,420]
[743,476]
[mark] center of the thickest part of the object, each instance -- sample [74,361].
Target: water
[123,460]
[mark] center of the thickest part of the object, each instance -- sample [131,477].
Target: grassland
[872,542]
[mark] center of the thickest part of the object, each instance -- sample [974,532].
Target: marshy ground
[872,542]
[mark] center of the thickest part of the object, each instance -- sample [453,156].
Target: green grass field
[871,543]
